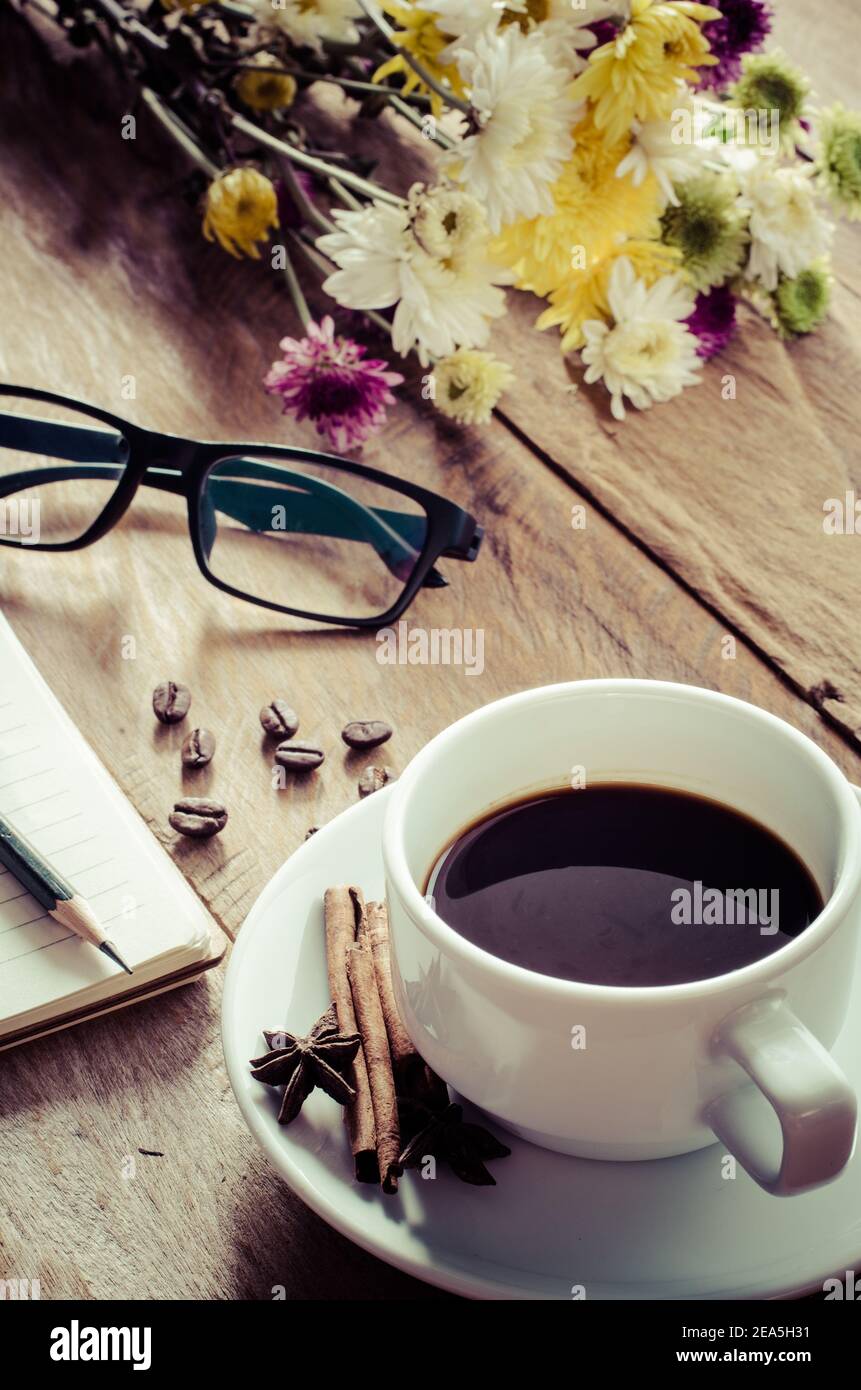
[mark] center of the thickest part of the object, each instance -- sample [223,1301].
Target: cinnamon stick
[375,1044]
[374,929]
[413,1077]
[344,909]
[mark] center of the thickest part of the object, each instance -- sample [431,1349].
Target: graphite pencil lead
[114,955]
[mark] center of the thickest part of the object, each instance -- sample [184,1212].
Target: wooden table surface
[703,522]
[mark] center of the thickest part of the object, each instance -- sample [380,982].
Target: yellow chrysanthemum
[264,90]
[241,206]
[636,75]
[584,294]
[594,211]
[468,384]
[419,35]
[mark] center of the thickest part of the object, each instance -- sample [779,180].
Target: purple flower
[713,320]
[290,212]
[605,31]
[742,28]
[327,379]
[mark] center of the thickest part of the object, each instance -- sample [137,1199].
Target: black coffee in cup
[624,884]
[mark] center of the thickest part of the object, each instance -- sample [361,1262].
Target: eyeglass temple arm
[310,505]
[393,531]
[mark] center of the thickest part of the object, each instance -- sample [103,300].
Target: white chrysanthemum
[441,310]
[566,37]
[787,228]
[448,224]
[562,26]
[524,116]
[671,149]
[648,354]
[310,21]
[445,290]
[369,247]
[462,19]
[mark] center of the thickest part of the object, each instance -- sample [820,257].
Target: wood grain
[106,276]
[728,490]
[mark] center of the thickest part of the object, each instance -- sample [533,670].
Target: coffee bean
[278,718]
[198,748]
[299,757]
[374,778]
[198,817]
[366,733]
[170,702]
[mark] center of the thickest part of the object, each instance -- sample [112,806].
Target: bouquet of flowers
[640,165]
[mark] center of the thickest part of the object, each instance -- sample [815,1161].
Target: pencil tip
[115,956]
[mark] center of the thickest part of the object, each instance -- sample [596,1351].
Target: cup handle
[807,1091]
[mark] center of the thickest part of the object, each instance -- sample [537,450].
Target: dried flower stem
[300,303]
[313,163]
[438,136]
[354,84]
[350,84]
[306,205]
[179,132]
[390,35]
[345,195]
[128,23]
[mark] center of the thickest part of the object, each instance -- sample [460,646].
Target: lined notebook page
[56,793]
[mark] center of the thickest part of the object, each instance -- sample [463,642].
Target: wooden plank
[107,276]
[729,490]
[729,494]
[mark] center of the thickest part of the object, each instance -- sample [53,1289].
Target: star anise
[299,1064]
[448,1137]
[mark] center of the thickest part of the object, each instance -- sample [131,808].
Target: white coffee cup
[742,1057]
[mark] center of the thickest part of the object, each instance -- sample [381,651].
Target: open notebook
[55,792]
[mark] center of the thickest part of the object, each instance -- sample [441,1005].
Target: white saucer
[673,1229]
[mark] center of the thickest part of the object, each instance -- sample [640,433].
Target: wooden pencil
[52,891]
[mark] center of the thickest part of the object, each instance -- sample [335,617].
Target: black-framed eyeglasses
[302,532]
